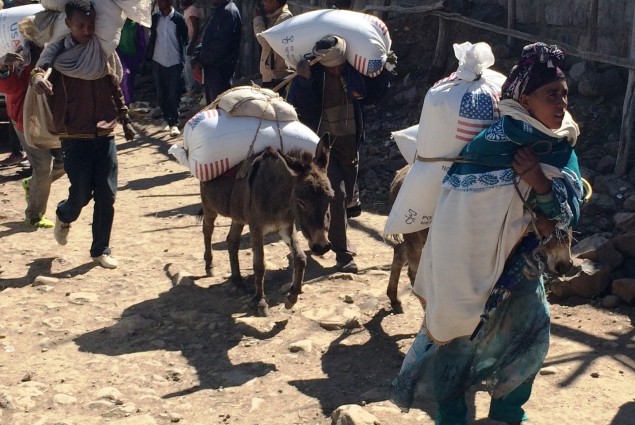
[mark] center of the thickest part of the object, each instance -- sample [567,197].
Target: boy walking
[86,102]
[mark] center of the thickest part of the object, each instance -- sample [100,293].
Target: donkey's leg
[398,261]
[209,217]
[257,249]
[289,237]
[233,244]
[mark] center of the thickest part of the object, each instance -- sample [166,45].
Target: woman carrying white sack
[487,317]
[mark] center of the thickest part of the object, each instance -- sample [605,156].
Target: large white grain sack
[137,10]
[49,25]
[255,101]
[455,109]
[10,37]
[367,38]
[406,140]
[214,141]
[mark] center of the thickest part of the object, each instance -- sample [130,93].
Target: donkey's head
[312,194]
[556,245]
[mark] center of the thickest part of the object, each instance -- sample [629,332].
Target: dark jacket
[84,109]
[306,95]
[220,46]
[181,34]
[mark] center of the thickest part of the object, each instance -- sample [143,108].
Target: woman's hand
[528,168]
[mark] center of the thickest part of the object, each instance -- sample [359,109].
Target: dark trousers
[216,81]
[342,177]
[167,81]
[91,166]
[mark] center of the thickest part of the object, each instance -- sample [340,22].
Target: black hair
[82,6]
[326,43]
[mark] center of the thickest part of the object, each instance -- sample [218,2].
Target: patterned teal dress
[510,347]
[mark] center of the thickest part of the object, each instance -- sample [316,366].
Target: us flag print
[475,114]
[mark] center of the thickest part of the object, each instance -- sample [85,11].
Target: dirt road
[155,341]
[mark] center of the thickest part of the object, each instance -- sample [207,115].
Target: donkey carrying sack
[454,111]
[367,38]
[215,140]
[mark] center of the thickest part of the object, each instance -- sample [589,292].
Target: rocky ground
[156,341]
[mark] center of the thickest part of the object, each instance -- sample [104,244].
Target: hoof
[261,306]
[396,307]
[209,272]
[291,300]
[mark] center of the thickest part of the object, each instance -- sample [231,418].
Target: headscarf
[538,65]
[331,56]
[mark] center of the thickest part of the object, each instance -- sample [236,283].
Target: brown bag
[254,101]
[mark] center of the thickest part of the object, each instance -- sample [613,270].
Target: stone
[586,279]
[352,414]
[600,203]
[83,297]
[44,280]
[606,164]
[135,420]
[109,393]
[549,370]
[64,399]
[611,301]
[625,289]
[610,184]
[599,249]
[305,345]
[624,221]
[625,243]
[629,203]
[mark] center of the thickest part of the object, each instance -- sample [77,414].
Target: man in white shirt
[168,38]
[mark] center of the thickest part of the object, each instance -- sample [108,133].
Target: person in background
[166,50]
[453,352]
[47,165]
[329,98]
[131,51]
[18,155]
[354,207]
[85,124]
[220,48]
[192,16]
[273,68]
[339,4]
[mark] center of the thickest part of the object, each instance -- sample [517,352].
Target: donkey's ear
[295,166]
[322,151]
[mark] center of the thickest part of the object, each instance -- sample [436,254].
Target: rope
[288,79]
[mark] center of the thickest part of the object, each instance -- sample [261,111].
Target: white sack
[10,37]
[214,141]
[454,111]
[111,14]
[406,140]
[137,10]
[367,38]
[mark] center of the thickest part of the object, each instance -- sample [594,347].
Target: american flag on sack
[196,119]
[450,77]
[377,22]
[211,170]
[477,112]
